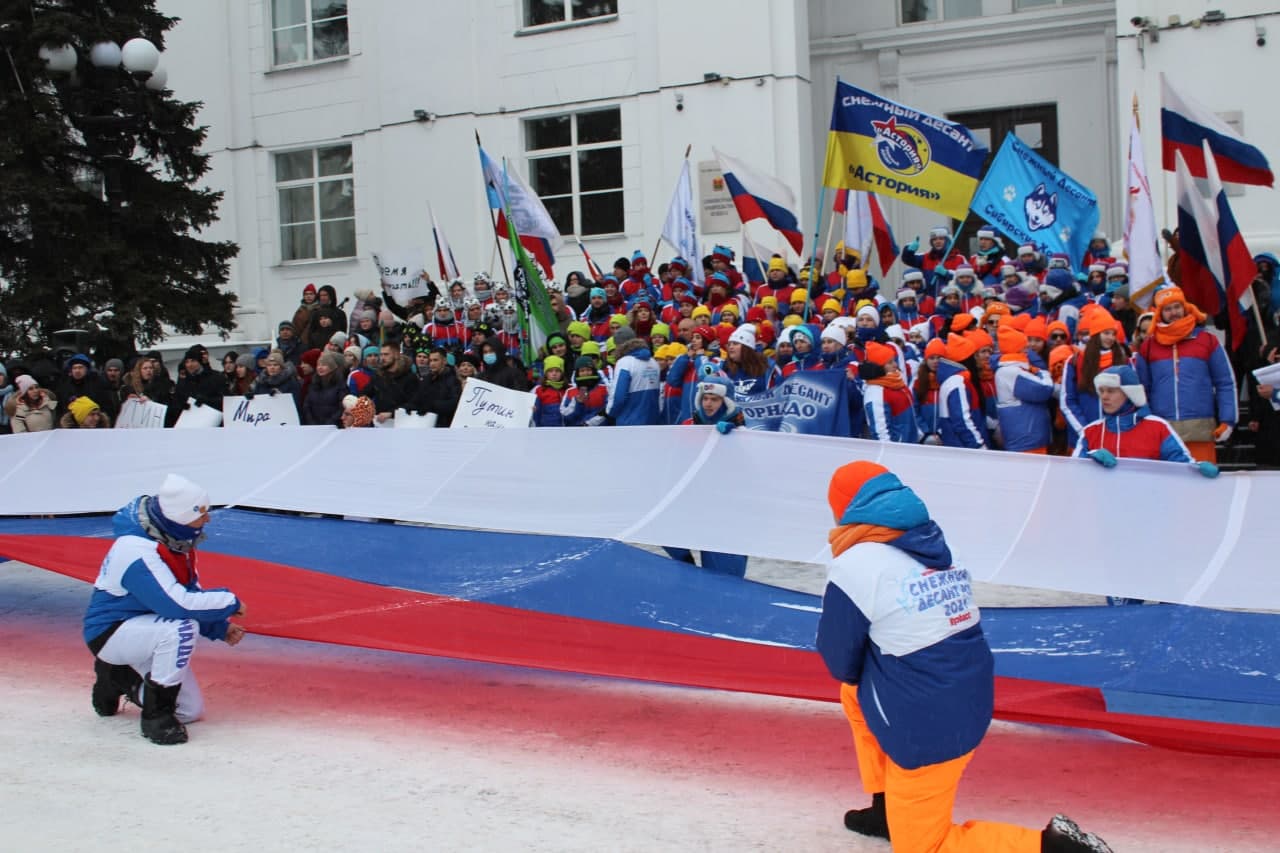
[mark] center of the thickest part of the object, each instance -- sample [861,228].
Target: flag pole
[493,219]
[826,244]
[658,243]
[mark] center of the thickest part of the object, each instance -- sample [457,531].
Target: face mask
[490,358]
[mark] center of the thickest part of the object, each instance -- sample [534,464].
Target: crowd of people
[997,350]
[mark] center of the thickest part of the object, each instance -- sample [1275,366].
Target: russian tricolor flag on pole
[865,227]
[1185,124]
[1215,264]
[758,196]
[444,253]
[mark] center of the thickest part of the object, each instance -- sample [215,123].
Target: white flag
[1141,244]
[681,230]
[857,224]
[528,213]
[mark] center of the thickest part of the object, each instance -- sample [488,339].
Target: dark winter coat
[204,387]
[438,394]
[323,403]
[285,383]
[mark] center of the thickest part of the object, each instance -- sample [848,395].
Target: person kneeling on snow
[147,608]
[900,631]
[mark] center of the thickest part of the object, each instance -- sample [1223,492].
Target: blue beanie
[368,351]
[638,255]
[598,291]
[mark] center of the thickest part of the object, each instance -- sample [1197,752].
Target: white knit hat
[182,500]
[834,333]
[745,335]
[1126,379]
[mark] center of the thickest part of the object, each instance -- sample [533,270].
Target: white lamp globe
[156,82]
[140,56]
[106,54]
[59,58]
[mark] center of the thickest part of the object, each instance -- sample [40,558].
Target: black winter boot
[112,682]
[159,725]
[1063,836]
[872,821]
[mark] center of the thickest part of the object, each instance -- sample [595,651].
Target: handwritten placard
[263,410]
[485,405]
[401,274]
[139,414]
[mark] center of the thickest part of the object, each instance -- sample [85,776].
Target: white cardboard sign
[198,416]
[264,410]
[412,420]
[136,414]
[485,405]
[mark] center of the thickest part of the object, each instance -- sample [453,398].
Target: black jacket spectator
[438,392]
[201,384]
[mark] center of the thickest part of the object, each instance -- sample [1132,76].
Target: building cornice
[988,30]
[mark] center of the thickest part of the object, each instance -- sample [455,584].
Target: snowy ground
[312,747]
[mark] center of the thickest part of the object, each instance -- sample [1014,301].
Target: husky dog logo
[1041,208]
[901,148]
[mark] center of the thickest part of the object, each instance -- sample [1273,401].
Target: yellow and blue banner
[1035,203]
[878,145]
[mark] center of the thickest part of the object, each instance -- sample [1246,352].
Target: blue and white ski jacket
[135,580]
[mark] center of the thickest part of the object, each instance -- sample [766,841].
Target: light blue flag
[1032,201]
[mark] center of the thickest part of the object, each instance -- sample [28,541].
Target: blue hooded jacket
[898,620]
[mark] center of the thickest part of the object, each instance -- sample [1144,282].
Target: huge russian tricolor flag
[758,196]
[1185,124]
[1216,267]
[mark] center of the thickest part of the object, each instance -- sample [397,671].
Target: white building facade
[333,125]
[1221,55]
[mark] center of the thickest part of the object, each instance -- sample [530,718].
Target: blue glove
[1105,458]
[725,427]
[914,246]
[941,274]
[1207,469]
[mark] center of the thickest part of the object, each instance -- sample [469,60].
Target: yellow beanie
[791,320]
[777,263]
[855,279]
[81,408]
[701,311]
[831,305]
[769,302]
[730,308]
[676,349]
[663,351]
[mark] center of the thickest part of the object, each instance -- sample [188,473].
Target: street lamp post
[109,109]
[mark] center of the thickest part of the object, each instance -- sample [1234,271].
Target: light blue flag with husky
[1034,202]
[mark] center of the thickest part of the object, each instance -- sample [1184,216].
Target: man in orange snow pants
[900,630]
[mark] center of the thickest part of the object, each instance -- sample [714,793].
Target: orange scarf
[894,381]
[1021,358]
[845,536]
[1169,334]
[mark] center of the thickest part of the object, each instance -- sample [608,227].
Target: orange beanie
[935,347]
[1011,340]
[847,481]
[1036,327]
[981,338]
[878,353]
[959,348]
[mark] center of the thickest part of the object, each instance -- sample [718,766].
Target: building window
[1035,125]
[915,11]
[316,189]
[540,12]
[575,166]
[307,30]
